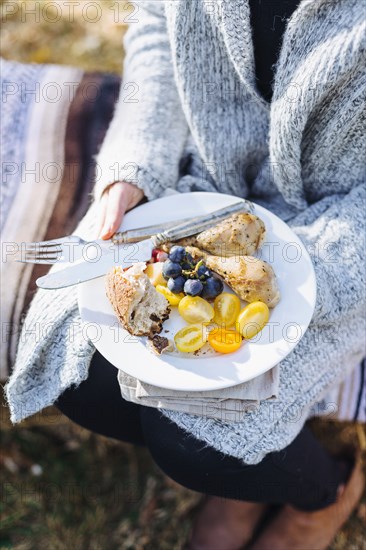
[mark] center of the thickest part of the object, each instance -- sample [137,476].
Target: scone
[140,308]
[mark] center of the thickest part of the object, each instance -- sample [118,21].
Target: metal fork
[72,248]
[64,250]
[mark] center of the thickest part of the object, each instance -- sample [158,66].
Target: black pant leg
[97,404]
[303,474]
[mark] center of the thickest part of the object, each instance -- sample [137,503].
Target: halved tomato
[155,274]
[227,308]
[252,319]
[224,341]
[172,298]
[195,309]
[190,338]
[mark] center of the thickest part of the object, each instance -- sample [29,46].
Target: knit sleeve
[148,131]
[333,231]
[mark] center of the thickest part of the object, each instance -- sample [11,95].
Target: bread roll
[140,308]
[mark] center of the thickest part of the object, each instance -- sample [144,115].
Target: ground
[63,488]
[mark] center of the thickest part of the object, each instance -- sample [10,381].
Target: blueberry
[171,269]
[188,262]
[177,254]
[176,285]
[212,288]
[193,287]
[189,258]
[203,272]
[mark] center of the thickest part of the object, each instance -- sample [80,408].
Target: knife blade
[127,255]
[84,270]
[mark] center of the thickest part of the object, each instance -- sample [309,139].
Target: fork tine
[27,256]
[41,254]
[38,255]
[40,246]
[54,242]
[36,261]
[44,250]
[61,240]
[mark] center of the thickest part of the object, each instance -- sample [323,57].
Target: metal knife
[128,254]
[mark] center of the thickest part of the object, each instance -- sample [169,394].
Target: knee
[170,446]
[187,460]
[176,452]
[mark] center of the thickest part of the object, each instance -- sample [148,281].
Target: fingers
[114,209]
[115,201]
[101,213]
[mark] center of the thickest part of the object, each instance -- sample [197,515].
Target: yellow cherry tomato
[252,319]
[190,338]
[155,273]
[195,309]
[227,308]
[224,341]
[172,298]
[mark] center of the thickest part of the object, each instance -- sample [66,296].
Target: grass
[62,487]
[65,488]
[53,32]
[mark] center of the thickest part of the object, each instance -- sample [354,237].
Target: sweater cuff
[130,173]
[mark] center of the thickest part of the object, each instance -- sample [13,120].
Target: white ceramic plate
[288,322]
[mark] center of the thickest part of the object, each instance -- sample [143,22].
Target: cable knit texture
[190,118]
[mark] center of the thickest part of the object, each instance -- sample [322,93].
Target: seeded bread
[139,307]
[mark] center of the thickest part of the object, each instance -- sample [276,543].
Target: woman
[229,96]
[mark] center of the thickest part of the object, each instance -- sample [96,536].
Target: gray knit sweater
[190,117]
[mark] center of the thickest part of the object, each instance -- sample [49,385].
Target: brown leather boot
[225,524]
[297,530]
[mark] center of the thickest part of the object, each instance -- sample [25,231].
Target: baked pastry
[140,308]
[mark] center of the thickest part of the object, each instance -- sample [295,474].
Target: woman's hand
[115,201]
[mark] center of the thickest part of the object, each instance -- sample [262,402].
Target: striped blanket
[54,119]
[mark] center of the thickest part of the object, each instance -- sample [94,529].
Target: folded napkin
[228,404]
